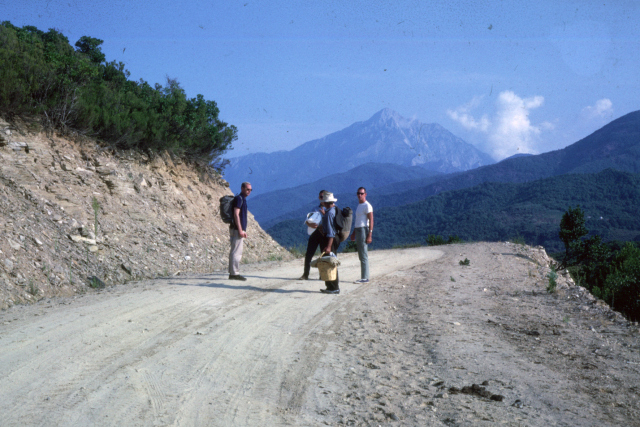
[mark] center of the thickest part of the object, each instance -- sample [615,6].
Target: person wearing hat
[330,241]
[315,239]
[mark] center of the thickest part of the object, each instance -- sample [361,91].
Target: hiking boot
[362,281]
[304,277]
[237,277]
[330,291]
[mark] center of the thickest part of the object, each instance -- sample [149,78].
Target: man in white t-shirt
[362,233]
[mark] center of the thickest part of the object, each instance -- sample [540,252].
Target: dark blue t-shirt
[241,202]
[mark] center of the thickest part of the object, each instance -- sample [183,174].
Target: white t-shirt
[361,214]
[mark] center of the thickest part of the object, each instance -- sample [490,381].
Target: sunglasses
[360,194]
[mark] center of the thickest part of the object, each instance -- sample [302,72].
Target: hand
[312,224]
[353,236]
[327,250]
[242,234]
[369,239]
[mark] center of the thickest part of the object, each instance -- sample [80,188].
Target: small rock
[187,258]
[93,248]
[9,264]
[38,242]
[126,267]
[14,245]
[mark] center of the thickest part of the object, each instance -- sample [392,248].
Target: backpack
[226,209]
[343,223]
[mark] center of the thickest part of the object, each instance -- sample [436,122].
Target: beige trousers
[235,252]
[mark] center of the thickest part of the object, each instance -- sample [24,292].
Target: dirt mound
[76,215]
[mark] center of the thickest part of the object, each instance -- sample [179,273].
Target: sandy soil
[427,342]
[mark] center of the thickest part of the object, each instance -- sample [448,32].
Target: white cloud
[462,116]
[603,108]
[510,131]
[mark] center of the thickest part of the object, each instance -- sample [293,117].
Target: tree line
[610,271]
[73,89]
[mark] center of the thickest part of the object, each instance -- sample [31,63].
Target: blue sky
[507,76]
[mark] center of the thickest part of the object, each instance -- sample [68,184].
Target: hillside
[503,211]
[386,137]
[615,146]
[156,217]
[297,201]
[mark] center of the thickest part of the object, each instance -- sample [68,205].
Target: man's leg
[235,252]
[363,254]
[335,284]
[312,246]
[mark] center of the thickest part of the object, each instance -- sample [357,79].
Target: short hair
[322,193]
[362,188]
[244,184]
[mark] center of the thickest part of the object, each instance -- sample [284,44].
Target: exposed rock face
[155,217]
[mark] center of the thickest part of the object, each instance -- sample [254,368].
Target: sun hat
[328,198]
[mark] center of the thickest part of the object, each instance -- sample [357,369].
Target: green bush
[350,247]
[77,91]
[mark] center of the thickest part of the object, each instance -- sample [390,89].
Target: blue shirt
[329,222]
[241,202]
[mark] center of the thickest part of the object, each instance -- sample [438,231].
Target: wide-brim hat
[328,198]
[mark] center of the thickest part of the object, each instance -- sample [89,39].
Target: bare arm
[327,249]
[369,236]
[236,217]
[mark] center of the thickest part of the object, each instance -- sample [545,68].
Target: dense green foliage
[76,90]
[607,270]
[437,240]
[572,228]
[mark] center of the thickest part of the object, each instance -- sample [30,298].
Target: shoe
[332,292]
[362,281]
[237,277]
[304,277]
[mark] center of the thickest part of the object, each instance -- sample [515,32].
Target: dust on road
[427,342]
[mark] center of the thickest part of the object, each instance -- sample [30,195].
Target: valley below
[428,341]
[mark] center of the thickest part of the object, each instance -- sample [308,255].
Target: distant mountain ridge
[386,137]
[302,199]
[616,146]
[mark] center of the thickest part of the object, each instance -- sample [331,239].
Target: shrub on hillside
[76,90]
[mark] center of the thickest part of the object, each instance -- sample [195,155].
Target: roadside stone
[14,245]
[8,264]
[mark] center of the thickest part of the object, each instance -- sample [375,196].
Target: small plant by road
[552,276]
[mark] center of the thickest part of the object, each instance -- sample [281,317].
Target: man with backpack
[238,231]
[314,241]
[330,238]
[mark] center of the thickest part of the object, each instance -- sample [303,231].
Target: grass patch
[552,276]
[465,262]
[407,245]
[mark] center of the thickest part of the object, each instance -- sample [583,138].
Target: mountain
[297,201]
[385,138]
[615,145]
[503,211]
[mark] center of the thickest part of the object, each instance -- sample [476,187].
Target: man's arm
[236,217]
[327,249]
[369,236]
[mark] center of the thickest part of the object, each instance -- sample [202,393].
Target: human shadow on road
[245,287]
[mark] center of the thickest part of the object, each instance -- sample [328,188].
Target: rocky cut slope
[75,215]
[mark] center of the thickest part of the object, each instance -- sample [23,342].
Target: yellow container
[328,272]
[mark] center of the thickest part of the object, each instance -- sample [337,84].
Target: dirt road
[428,342]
